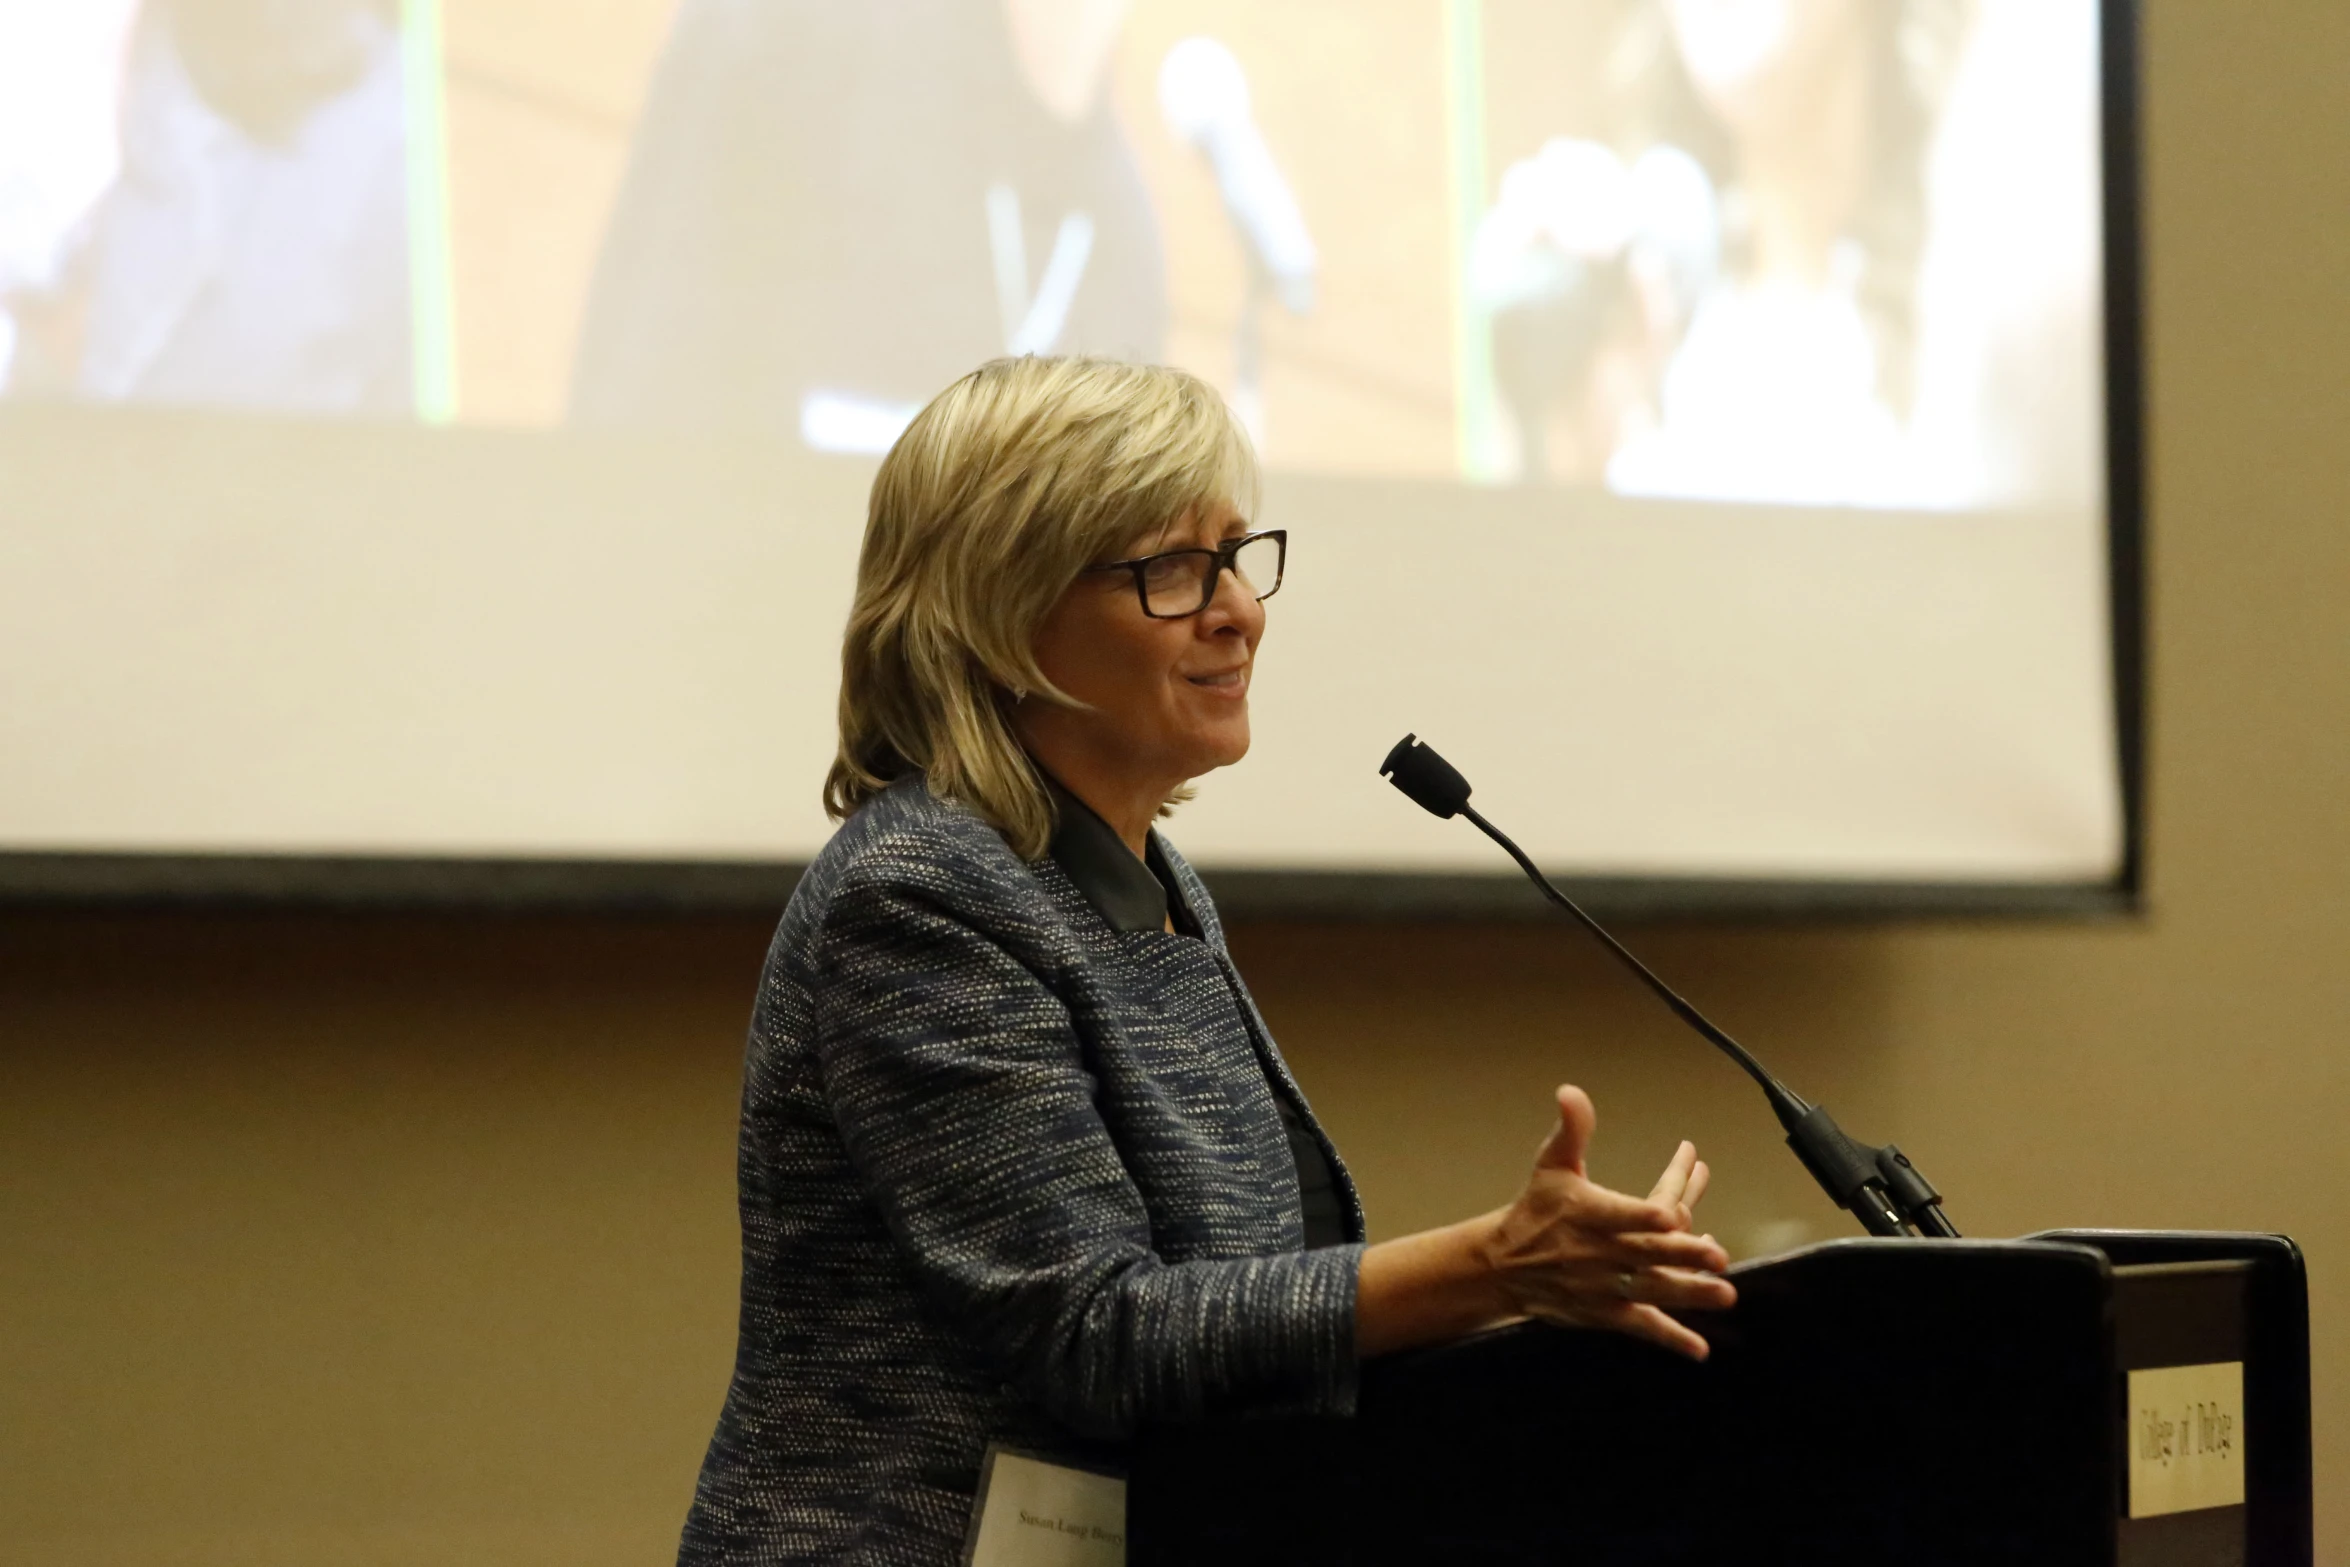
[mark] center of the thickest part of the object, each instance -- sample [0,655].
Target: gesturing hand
[1572,1251]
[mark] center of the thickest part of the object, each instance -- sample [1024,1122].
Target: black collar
[1130,894]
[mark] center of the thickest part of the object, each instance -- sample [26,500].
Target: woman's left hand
[1568,1251]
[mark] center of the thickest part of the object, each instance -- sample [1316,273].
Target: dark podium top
[1896,1401]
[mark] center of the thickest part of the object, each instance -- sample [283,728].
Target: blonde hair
[1010,483]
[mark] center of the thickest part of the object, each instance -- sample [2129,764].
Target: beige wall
[409,1240]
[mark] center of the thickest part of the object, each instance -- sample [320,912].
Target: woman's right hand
[1572,1251]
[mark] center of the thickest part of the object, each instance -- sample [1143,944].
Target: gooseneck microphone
[1878,1186]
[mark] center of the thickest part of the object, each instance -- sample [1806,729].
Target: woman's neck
[1128,805]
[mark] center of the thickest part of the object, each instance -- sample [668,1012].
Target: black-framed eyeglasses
[1176,583]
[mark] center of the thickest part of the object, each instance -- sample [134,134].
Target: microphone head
[1428,778]
[1202,91]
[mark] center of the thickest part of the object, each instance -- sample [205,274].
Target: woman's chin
[1223,748]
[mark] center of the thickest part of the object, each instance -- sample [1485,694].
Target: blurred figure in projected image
[204,202]
[831,210]
[1844,253]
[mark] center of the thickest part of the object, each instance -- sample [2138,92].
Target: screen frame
[123,880]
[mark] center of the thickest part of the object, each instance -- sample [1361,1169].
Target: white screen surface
[1709,537]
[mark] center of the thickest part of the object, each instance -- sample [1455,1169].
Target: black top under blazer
[1008,1173]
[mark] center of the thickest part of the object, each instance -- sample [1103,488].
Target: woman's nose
[1232,606]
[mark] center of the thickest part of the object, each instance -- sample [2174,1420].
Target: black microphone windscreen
[1428,778]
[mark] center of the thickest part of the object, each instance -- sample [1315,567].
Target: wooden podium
[1868,1401]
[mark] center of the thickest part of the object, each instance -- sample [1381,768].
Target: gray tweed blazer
[1007,1174]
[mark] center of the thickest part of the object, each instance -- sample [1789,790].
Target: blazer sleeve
[959,1088]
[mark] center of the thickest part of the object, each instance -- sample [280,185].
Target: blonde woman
[1020,1163]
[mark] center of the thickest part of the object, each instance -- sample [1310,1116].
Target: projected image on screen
[442,428]
[1792,251]
[829,212]
[1802,251]
[205,202]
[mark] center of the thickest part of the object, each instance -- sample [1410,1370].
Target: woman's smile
[1231,682]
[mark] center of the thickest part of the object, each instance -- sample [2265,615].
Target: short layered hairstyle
[1009,484]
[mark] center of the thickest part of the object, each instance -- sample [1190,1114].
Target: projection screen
[434,435]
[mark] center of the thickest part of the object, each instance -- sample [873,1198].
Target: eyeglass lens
[1177,584]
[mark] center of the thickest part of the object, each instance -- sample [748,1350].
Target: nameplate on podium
[2186,1437]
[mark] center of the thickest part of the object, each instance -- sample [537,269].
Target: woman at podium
[1021,1168]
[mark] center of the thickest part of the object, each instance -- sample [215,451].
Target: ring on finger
[1624,1282]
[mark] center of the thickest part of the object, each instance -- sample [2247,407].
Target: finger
[1701,1176]
[1647,1322]
[1672,1186]
[1666,1249]
[1599,1208]
[1683,1289]
[1571,1140]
